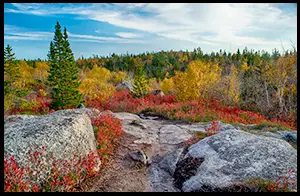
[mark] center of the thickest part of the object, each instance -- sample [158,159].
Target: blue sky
[106,28]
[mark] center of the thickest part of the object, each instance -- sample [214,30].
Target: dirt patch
[121,174]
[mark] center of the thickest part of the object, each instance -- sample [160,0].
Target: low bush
[283,183]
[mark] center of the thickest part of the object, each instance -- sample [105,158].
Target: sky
[106,28]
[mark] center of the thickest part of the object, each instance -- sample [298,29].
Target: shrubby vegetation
[252,80]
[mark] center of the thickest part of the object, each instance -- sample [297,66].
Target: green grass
[270,126]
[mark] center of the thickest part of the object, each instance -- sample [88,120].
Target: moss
[200,135]
[29,113]
[270,126]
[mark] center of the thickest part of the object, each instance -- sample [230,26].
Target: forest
[241,85]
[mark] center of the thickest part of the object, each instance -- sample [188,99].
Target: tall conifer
[63,73]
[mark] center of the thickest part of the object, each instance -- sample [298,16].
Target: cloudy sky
[106,28]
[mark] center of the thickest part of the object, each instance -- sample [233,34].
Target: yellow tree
[95,85]
[197,80]
[181,84]
[40,72]
[232,91]
[167,85]
[279,75]
[25,80]
[118,77]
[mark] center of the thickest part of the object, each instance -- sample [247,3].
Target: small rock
[140,156]
[81,106]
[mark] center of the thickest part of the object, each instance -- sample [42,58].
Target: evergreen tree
[63,73]
[238,54]
[275,54]
[9,56]
[11,70]
[140,86]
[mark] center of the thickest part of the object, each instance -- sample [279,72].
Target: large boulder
[225,160]
[63,133]
[125,85]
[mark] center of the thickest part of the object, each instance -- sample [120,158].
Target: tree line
[253,80]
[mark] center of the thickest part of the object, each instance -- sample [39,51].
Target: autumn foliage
[193,111]
[95,84]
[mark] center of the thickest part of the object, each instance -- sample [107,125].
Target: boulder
[225,161]
[125,85]
[234,155]
[63,133]
[81,106]
[134,126]
[14,118]
[158,92]
[289,136]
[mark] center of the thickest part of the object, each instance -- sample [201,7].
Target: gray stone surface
[289,136]
[15,118]
[160,181]
[168,163]
[125,85]
[63,133]
[230,157]
[234,155]
[172,134]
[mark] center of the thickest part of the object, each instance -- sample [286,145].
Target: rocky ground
[152,154]
[226,159]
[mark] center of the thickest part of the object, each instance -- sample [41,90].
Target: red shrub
[60,175]
[107,130]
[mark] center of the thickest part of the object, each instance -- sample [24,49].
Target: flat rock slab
[172,134]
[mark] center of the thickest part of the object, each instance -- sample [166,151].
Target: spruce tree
[63,73]
[140,86]
[11,70]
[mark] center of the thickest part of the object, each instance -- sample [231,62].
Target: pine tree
[8,54]
[11,70]
[140,86]
[63,73]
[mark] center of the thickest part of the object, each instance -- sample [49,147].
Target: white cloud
[128,35]
[91,38]
[16,33]
[229,24]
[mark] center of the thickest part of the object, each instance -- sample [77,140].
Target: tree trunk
[281,104]
[267,93]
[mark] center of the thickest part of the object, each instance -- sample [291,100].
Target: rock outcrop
[217,163]
[125,85]
[158,93]
[223,160]
[63,133]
